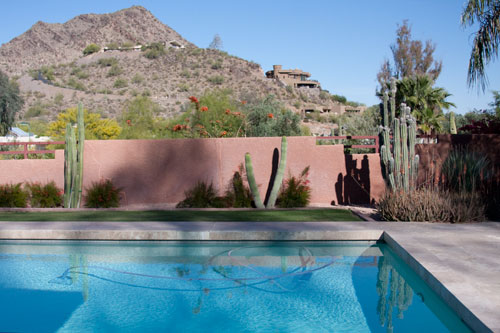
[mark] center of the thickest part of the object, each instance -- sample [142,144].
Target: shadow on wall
[162,170]
[354,186]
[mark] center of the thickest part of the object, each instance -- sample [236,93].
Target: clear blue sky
[341,43]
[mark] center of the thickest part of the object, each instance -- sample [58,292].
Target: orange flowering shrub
[204,108]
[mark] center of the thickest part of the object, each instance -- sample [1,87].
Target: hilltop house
[292,77]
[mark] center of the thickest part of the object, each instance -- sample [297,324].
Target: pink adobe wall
[160,171]
[33,170]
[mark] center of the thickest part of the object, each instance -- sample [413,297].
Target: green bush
[466,170]
[120,83]
[295,192]
[91,48]
[202,196]
[45,196]
[238,195]
[154,50]
[102,194]
[217,79]
[107,62]
[431,204]
[13,196]
[115,70]
[267,117]
[137,79]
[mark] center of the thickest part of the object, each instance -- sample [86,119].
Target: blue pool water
[214,287]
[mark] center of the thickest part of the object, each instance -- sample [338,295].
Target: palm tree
[429,122]
[486,39]
[418,93]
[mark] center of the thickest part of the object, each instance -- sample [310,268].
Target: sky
[342,43]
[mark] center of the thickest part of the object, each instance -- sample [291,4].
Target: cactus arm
[279,175]
[67,167]
[393,99]
[79,168]
[385,112]
[453,126]
[397,151]
[251,182]
[73,162]
[404,145]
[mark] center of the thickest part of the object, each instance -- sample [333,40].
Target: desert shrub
[91,48]
[95,127]
[115,70]
[139,119]
[267,117]
[469,171]
[45,196]
[465,170]
[217,79]
[154,50]
[295,192]
[137,79]
[120,83]
[75,84]
[202,196]
[107,62]
[13,196]
[431,204]
[102,194]
[216,114]
[238,195]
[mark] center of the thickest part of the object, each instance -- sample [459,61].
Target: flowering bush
[102,194]
[212,117]
[295,192]
[45,196]
[13,196]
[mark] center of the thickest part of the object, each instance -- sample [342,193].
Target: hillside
[53,73]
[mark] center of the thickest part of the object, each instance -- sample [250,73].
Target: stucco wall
[159,171]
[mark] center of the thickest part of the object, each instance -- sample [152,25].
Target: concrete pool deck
[460,262]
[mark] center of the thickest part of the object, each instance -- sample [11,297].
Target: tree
[418,93]
[267,117]
[216,43]
[410,58]
[91,48]
[95,127]
[10,103]
[139,119]
[496,103]
[486,39]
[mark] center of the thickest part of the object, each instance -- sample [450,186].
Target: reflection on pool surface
[214,286]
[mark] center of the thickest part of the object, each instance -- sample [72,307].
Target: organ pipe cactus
[453,126]
[73,162]
[278,180]
[400,164]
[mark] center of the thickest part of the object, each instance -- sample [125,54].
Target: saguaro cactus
[400,164]
[73,162]
[277,180]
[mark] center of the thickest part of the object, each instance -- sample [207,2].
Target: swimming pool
[78,286]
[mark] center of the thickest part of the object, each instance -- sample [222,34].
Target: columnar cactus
[73,162]
[453,126]
[400,164]
[278,180]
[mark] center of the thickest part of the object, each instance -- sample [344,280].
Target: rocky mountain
[52,43]
[54,74]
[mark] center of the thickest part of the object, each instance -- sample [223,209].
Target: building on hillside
[18,135]
[292,77]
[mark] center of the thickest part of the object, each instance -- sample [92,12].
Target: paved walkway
[460,262]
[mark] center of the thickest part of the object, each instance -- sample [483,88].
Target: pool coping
[428,248]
